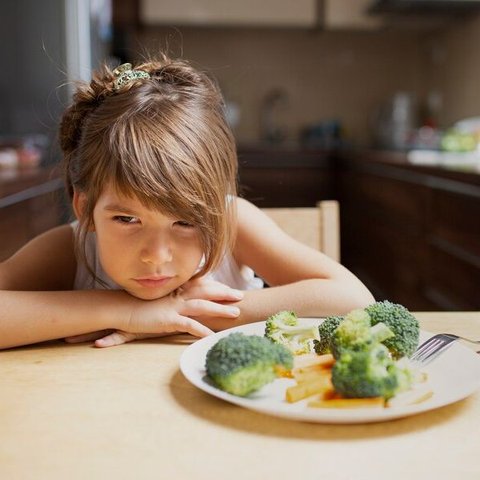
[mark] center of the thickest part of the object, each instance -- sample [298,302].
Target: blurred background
[375,103]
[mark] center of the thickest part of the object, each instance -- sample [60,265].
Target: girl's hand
[209,289]
[110,338]
[181,311]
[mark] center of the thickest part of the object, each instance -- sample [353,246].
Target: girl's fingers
[210,290]
[213,292]
[87,337]
[199,307]
[192,327]
[115,338]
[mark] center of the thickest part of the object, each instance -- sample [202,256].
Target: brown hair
[164,140]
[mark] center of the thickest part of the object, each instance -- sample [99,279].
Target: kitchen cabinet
[272,13]
[410,233]
[31,202]
[349,14]
[285,178]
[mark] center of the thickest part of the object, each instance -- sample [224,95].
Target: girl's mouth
[153,282]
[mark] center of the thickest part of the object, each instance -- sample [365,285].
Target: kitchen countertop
[15,181]
[464,173]
[293,154]
[76,412]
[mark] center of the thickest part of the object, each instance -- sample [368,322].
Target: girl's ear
[79,202]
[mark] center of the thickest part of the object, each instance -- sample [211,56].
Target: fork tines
[432,347]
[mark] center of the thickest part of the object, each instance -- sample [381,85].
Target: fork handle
[466,339]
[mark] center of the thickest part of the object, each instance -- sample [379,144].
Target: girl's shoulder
[251,219]
[246,211]
[46,262]
[254,230]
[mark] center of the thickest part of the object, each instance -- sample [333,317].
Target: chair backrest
[317,227]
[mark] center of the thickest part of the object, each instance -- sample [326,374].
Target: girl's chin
[149,295]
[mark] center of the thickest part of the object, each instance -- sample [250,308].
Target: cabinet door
[14,229]
[412,235]
[23,221]
[454,249]
[383,227]
[298,13]
[287,187]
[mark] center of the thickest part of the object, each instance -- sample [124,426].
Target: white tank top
[228,272]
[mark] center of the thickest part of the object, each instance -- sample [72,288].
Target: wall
[455,69]
[326,74]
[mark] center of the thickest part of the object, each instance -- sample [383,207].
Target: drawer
[387,199]
[453,282]
[292,187]
[14,229]
[454,222]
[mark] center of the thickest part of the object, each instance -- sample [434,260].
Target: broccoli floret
[325,332]
[403,324]
[408,374]
[363,344]
[241,364]
[355,332]
[367,373]
[283,328]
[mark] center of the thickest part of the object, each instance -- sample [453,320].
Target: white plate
[452,376]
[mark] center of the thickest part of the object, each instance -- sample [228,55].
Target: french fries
[373,402]
[321,385]
[313,376]
[310,359]
[309,373]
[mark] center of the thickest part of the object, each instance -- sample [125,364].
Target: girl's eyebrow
[116,207]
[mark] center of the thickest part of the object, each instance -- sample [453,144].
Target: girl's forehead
[113,198]
[111,193]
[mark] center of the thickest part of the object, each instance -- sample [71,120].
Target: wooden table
[76,412]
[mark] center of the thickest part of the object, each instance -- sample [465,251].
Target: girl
[161,243]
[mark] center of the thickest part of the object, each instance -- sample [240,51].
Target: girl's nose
[156,251]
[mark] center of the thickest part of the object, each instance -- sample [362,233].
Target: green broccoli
[407,374]
[241,364]
[369,373]
[283,328]
[403,324]
[355,332]
[325,332]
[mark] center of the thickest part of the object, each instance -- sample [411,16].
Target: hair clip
[124,75]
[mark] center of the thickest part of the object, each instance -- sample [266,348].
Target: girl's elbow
[361,298]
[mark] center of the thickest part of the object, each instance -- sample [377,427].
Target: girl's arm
[31,317]
[301,279]
[38,304]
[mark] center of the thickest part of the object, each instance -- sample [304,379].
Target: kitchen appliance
[396,121]
[47,46]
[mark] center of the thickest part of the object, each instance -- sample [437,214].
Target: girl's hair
[163,139]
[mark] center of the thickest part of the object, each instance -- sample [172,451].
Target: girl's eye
[125,219]
[184,224]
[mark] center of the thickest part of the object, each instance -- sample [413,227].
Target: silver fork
[431,348]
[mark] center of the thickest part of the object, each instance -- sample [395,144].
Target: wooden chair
[317,227]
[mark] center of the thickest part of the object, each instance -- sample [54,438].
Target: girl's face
[144,251]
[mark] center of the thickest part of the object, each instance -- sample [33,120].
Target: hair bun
[86,99]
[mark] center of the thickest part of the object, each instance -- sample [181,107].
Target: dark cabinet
[453,240]
[411,235]
[30,204]
[274,178]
